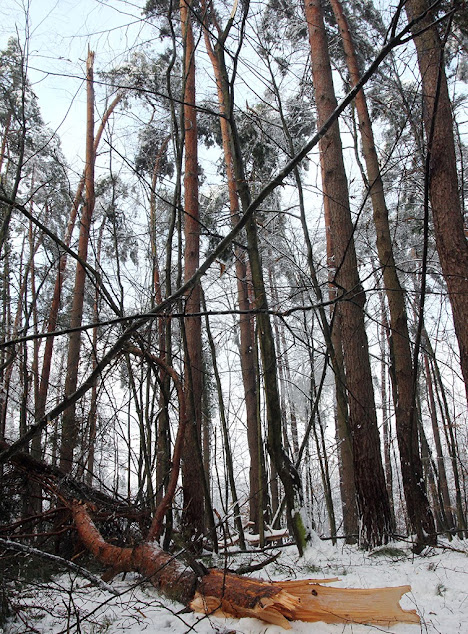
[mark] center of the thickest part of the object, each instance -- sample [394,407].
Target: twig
[242,570]
[29,550]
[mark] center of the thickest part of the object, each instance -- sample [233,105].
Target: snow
[439,580]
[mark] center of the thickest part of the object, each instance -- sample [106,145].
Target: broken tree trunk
[225,594]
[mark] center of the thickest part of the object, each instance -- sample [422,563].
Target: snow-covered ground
[439,580]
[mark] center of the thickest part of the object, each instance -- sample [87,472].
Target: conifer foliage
[246,320]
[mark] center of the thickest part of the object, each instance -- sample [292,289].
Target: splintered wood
[305,600]
[229,595]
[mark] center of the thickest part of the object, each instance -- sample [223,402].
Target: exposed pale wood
[226,594]
[338,605]
[266,609]
[230,595]
[303,600]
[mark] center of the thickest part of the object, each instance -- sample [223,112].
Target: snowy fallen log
[224,594]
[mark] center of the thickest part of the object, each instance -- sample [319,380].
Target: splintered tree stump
[353,605]
[229,595]
[279,602]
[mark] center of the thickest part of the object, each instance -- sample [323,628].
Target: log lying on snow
[279,602]
[356,605]
[226,594]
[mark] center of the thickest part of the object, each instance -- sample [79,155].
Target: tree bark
[221,593]
[442,483]
[417,504]
[286,470]
[342,414]
[192,473]
[246,347]
[225,432]
[447,214]
[372,498]
[332,337]
[70,426]
[40,405]
[386,426]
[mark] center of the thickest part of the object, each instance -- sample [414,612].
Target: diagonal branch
[222,245]
[8,544]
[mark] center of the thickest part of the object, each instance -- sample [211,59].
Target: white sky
[59,34]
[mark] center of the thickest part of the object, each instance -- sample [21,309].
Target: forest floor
[438,577]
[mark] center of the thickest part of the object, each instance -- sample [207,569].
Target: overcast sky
[59,34]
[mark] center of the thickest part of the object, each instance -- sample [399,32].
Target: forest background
[219,256]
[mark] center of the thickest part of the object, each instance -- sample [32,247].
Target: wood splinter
[229,595]
[304,600]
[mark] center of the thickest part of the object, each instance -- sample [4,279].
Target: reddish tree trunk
[41,401]
[417,504]
[69,423]
[246,348]
[225,594]
[192,473]
[447,214]
[286,470]
[373,504]
[343,427]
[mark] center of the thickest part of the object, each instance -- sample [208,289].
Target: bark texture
[246,338]
[70,426]
[192,473]
[40,405]
[372,498]
[226,594]
[417,503]
[447,213]
[283,465]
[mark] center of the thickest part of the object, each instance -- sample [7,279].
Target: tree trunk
[431,474]
[342,414]
[40,405]
[287,403]
[286,470]
[451,441]
[333,343]
[417,504]
[447,215]
[88,462]
[8,367]
[223,594]
[321,450]
[70,427]
[386,426]
[225,432]
[246,338]
[373,504]
[192,473]
[441,471]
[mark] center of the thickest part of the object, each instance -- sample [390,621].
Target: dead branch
[65,484]
[7,544]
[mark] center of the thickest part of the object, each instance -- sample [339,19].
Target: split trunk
[224,594]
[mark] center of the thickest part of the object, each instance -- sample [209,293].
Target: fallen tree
[216,592]
[222,593]
[64,485]
[219,592]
